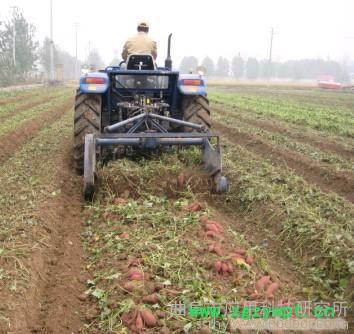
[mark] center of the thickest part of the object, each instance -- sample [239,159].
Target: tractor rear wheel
[87,119]
[196,110]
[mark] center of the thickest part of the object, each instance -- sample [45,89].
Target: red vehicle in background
[327,82]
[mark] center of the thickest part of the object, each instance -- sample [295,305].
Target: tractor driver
[141,43]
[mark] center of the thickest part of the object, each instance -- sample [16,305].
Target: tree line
[252,68]
[31,59]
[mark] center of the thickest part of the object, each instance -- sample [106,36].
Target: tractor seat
[140,62]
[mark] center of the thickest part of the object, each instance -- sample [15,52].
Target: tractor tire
[87,119]
[196,110]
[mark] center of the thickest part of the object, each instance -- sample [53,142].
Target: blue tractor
[138,106]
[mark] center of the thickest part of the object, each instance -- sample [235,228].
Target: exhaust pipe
[168,60]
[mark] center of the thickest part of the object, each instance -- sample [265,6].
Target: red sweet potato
[262,282]
[230,269]
[249,260]
[218,266]
[148,317]
[271,290]
[211,234]
[139,322]
[192,207]
[217,224]
[212,227]
[240,251]
[119,201]
[151,299]
[224,268]
[136,277]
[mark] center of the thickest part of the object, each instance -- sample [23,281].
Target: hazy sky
[303,28]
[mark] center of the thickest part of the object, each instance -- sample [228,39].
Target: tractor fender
[94,82]
[200,88]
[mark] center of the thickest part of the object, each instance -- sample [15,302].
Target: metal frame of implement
[151,140]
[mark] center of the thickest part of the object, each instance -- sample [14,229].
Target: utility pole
[89,50]
[13,36]
[270,54]
[76,60]
[52,75]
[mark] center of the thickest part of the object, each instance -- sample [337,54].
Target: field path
[60,295]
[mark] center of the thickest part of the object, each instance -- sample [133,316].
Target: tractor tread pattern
[87,119]
[196,110]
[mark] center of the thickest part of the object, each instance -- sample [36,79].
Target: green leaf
[187,327]
[113,276]
[98,293]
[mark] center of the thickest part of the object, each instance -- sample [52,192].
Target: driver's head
[143,26]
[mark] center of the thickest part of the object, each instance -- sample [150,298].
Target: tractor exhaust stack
[168,61]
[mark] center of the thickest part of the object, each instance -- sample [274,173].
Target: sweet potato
[148,317]
[211,234]
[151,299]
[271,290]
[124,235]
[139,323]
[135,274]
[249,260]
[230,269]
[126,319]
[192,207]
[262,282]
[211,247]
[136,277]
[119,201]
[224,268]
[212,227]
[218,266]
[240,251]
[217,224]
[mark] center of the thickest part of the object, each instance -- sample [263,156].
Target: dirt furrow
[328,180]
[281,128]
[65,281]
[11,142]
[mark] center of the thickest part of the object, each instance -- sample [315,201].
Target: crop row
[232,120]
[38,96]
[22,117]
[334,120]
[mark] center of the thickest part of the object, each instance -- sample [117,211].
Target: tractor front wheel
[87,119]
